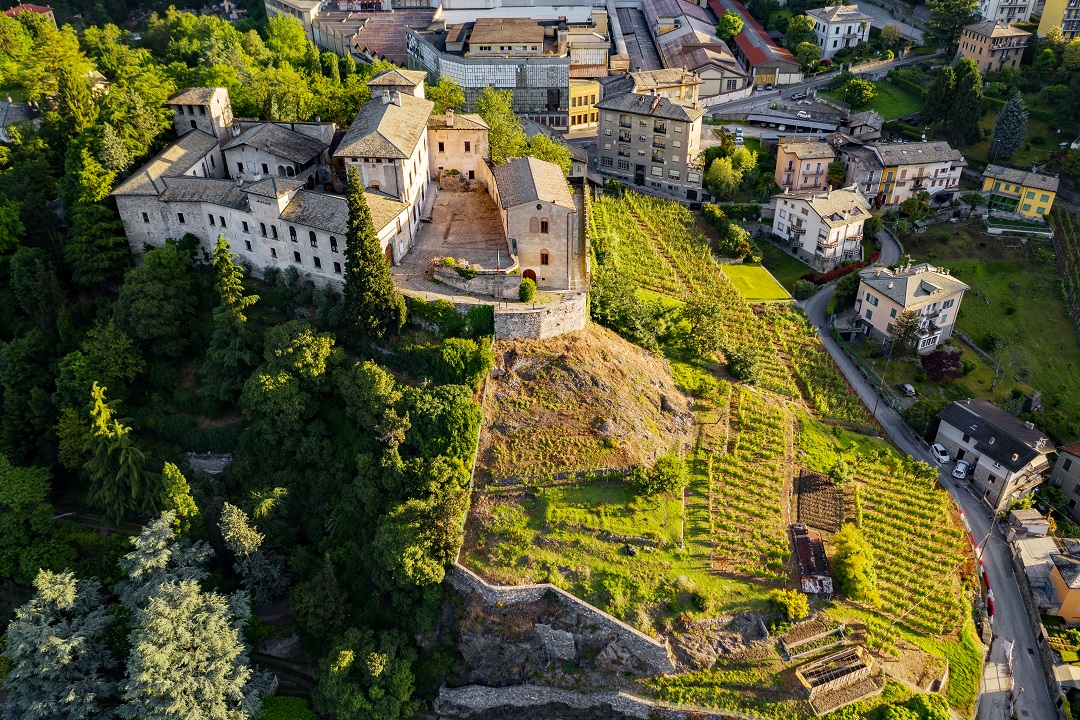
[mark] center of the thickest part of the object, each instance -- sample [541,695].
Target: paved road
[883,18]
[1010,616]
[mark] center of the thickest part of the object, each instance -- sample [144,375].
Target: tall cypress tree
[74,103]
[120,482]
[966,102]
[231,356]
[939,96]
[1010,127]
[373,306]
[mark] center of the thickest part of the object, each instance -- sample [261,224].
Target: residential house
[838,27]
[540,218]
[930,292]
[43,10]
[675,84]
[1027,522]
[1065,580]
[579,161]
[802,163]
[1028,193]
[767,62]
[651,143]
[864,126]
[823,227]
[906,169]
[1008,456]
[1066,475]
[584,94]
[1064,14]
[458,141]
[993,44]
[1009,11]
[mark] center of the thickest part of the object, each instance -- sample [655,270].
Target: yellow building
[584,94]
[1064,14]
[993,45]
[910,168]
[1065,576]
[1028,193]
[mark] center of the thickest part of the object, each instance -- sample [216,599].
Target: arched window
[273,231]
[313,239]
[333,244]
[281,170]
[262,229]
[292,233]
[289,171]
[534,225]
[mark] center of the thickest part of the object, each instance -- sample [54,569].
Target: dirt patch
[740,637]
[583,401]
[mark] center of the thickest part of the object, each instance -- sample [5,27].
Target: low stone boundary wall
[485,283]
[653,653]
[476,700]
[519,322]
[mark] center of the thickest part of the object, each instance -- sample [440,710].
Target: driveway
[883,18]
[1011,623]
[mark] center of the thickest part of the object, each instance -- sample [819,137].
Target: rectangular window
[1027,207]
[673,174]
[180,218]
[273,252]
[318,263]
[145,218]
[1030,195]
[1065,466]
[872,299]
[657,171]
[468,147]
[247,245]
[992,479]
[240,167]
[544,257]
[296,257]
[605,162]
[333,244]
[624,164]
[967,438]
[869,314]
[888,328]
[1044,198]
[678,127]
[245,225]
[544,226]
[337,268]
[947,304]
[442,147]
[892,313]
[222,219]
[732,85]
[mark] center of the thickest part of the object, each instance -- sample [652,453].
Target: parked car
[963,467]
[739,140]
[768,87]
[941,455]
[738,131]
[803,114]
[759,87]
[798,96]
[906,389]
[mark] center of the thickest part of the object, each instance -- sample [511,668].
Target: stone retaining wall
[653,653]
[543,321]
[485,283]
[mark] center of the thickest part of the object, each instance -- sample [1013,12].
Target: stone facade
[485,283]
[545,321]
[539,701]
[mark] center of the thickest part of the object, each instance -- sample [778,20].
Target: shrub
[819,279]
[804,289]
[854,561]
[792,603]
[1043,256]
[744,363]
[456,361]
[667,475]
[942,364]
[280,707]
[527,291]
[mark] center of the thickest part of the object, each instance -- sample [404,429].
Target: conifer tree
[56,648]
[120,482]
[966,101]
[1010,127]
[159,558]
[188,658]
[231,356]
[112,154]
[373,307]
[176,498]
[262,570]
[74,103]
[939,96]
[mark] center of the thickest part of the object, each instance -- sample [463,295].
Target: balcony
[624,137]
[624,152]
[659,144]
[660,129]
[658,158]
[626,124]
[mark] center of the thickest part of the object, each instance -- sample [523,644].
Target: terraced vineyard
[1067,247]
[750,488]
[614,231]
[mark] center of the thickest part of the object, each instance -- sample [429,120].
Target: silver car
[961,470]
[940,454]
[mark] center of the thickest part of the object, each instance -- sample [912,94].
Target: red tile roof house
[27,7]
[769,63]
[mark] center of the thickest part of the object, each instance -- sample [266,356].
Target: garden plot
[820,502]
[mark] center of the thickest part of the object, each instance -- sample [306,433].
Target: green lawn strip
[16,93]
[755,283]
[785,268]
[1028,153]
[891,101]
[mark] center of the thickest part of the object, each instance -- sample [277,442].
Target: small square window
[318,263]
[468,147]
[544,258]
[180,218]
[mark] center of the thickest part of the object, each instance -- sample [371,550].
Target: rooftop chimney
[1016,456]
[1029,425]
[450,117]
[385,97]
[395,98]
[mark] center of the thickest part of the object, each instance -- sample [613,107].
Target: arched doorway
[390,253]
[529,274]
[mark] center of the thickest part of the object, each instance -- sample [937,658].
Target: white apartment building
[822,227]
[930,292]
[1009,11]
[890,173]
[839,26]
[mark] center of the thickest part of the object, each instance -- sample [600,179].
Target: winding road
[1011,623]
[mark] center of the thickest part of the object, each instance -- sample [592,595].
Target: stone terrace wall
[486,283]
[544,321]
[651,652]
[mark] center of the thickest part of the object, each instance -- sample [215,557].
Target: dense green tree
[418,539]
[704,313]
[262,570]
[847,289]
[939,96]
[1045,62]
[1070,56]
[808,54]
[792,603]
[365,677]
[1010,127]
[300,350]
[112,153]
[318,602]
[854,561]
[74,382]
[966,103]
[722,178]
[96,249]
[892,37]
[27,539]
[859,92]
[176,498]
[373,305]
[56,647]
[188,658]
[800,30]
[231,355]
[112,353]
[37,289]
[158,559]
[27,378]
[506,138]
[542,147]
[904,335]
[947,21]
[74,103]
[12,230]
[119,480]
[730,25]
[156,302]
[446,94]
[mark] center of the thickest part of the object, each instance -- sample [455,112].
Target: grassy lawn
[1028,152]
[17,94]
[1016,300]
[892,101]
[785,268]
[755,283]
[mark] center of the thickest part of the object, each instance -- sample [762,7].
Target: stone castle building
[275,188]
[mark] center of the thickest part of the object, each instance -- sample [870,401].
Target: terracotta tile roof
[27,7]
[1072,448]
[753,42]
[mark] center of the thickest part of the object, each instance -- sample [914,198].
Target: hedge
[819,279]
[743,212]
[902,82]
[480,320]
[455,361]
